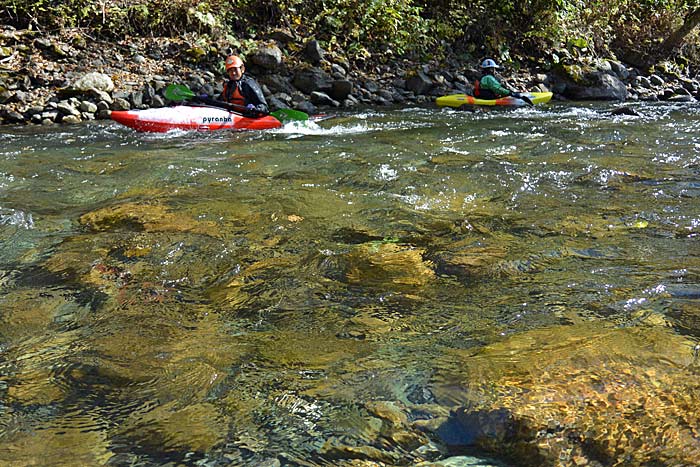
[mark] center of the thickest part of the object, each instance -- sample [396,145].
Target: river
[386,287]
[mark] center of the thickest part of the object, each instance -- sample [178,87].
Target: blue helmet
[488,63]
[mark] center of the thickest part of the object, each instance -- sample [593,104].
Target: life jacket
[483,93]
[233,96]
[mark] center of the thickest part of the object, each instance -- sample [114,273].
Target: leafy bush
[385,29]
[112,18]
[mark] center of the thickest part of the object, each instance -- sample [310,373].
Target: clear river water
[386,287]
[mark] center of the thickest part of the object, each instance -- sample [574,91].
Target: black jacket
[249,89]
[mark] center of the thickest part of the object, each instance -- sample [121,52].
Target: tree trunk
[672,42]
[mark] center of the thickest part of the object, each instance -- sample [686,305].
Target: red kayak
[185,117]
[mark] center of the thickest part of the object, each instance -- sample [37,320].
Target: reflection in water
[390,287]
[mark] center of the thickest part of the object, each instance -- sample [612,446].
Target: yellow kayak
[458,100]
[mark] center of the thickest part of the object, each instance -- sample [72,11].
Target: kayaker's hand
[250,111]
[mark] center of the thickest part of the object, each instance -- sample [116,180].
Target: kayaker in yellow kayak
[243,90]
[489,87]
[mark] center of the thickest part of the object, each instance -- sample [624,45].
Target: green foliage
[116,18]
[624,29]
[392,26]
[508,30]
[49,14]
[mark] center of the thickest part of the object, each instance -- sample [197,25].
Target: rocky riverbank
[70,78]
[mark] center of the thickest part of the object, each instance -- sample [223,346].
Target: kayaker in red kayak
[489,87]
[243,90]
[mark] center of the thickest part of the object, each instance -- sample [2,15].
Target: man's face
[236,72]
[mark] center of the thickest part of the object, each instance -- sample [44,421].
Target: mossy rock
[579,74]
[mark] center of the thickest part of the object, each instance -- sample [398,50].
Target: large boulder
[277,83]
[268,57]
[312,80]
[597,86]
[419,83]
[341,89]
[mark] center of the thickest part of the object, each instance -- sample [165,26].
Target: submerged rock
[388,263]
[197,427]
[148,217]
[625,111]
[469,258]
[580,394]
[62,444]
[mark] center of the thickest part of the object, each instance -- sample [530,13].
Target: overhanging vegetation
[642,32]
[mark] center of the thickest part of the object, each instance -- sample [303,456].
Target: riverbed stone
[388,411]
[341,89]
[101,96]
[619,69]
[71,119]
[277,83]
[136,100]
[289,348]
[279,101]
[12,117]
[312,80]
[313,51]
[469,258]
[336,450]
[419,83]
[95,80]
[121,103]
[21,97]
[157,101]
[339,70]
[656,80]
[389,264]
[306,106]
[321,98]
[597,86]
[62,440]
[682,99]
[51,115]
[87,106]
[67,108]
[150,217]
[462,461]
[195,427]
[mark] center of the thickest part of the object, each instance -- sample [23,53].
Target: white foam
[297,129]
